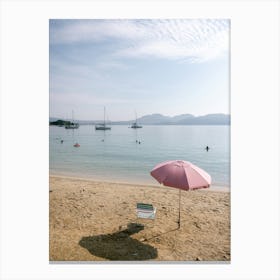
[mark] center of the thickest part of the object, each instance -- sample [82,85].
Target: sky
[165,66]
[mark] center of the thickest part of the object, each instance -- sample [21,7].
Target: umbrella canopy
[182,175]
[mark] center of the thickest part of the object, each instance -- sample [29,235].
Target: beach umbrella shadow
[119,246]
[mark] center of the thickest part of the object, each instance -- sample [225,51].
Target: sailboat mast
[104,115]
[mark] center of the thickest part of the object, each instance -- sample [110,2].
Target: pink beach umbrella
[182,175]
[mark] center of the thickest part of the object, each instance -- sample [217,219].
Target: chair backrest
[145,211]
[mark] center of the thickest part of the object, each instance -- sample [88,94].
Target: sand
[96,221]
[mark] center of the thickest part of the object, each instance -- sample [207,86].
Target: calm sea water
[114,155]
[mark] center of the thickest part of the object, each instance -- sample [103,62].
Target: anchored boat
[135,124]
[102,126]
[72,125]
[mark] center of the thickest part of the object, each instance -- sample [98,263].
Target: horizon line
[143,116]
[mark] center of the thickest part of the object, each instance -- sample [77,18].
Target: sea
[123,154]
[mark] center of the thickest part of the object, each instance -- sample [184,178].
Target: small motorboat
[76,145]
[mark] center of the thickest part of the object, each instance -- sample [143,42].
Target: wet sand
[96,221]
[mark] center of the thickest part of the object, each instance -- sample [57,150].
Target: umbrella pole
[179,219]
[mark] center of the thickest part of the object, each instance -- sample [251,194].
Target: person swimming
[207,148]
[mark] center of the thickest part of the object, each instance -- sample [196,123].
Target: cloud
[193,40]
[82,31]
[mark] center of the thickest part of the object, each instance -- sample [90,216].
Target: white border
[255,138]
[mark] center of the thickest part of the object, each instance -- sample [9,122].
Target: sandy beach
[96,221]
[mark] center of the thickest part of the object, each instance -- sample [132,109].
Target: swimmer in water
[207,148]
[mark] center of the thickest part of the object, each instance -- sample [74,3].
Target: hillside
[159,119]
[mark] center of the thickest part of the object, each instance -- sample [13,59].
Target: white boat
[135,125]
[102,126]
[72,125]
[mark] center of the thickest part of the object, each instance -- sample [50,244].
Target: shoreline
[214,188]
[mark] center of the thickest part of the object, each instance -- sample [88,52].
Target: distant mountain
[214,119]
[158,119]
[211,119]
[185,119]
[153,119]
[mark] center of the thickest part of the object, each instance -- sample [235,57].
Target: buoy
[77,145]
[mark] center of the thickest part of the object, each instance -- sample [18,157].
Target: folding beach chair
[143,211]
[146,211]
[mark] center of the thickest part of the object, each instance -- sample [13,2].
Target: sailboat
[135,125]
[72,125]
[102,126]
